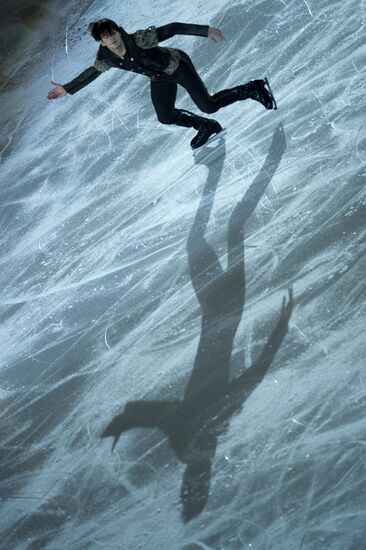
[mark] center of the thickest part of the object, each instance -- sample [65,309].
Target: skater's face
[112,41]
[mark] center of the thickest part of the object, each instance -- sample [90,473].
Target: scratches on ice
[308,7]
[66,41]
[12,133]
[111,300]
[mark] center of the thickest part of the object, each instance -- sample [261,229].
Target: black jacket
[143,55]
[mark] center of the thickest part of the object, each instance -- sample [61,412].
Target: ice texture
[146,291]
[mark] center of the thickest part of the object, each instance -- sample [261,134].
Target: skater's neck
[120,51]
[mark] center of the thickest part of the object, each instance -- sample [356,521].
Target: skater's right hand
[57,91]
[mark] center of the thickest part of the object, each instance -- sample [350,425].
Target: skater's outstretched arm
[79,82]
[57,91]
[215,35]
[168,31]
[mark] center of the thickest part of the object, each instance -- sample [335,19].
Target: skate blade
[270,91]
[211,141]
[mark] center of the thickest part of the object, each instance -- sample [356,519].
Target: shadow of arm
[141,414]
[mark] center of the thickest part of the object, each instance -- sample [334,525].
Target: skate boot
[206,130]
[206,127]
[258,90]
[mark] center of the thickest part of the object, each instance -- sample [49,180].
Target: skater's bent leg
[163,96]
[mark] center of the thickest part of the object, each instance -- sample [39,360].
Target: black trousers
[164,92]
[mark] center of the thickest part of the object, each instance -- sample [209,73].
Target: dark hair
[97,28]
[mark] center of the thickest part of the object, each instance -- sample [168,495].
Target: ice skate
[207,129]
[258,90]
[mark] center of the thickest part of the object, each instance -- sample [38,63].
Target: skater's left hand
[215,34]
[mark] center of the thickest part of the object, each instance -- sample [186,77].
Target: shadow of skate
[194,424]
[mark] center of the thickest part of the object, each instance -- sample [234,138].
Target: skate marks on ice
[193,425]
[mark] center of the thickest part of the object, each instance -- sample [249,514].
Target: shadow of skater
[194,424]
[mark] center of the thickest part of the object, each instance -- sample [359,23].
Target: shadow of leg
[195,489]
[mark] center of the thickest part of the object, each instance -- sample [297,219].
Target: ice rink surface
[142,287]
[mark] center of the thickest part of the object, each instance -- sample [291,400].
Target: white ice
[97,307]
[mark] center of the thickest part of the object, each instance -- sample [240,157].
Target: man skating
[166,67]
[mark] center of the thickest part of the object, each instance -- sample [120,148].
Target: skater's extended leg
[192,82]
[255,89]
[164,93]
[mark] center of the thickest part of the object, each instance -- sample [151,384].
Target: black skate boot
[206,127]
[259,90]
[206,130]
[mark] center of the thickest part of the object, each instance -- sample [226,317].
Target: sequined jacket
[143,54]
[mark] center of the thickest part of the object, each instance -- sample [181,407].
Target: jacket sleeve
[170,30]
[86,77]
